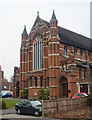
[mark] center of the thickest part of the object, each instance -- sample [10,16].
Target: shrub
[21,94]
[2,104]
[44,94]
[24,93]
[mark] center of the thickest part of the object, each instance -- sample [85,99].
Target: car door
[29,108]
[23,108]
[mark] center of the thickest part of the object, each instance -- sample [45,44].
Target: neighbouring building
[1,77]
[4,84]
[55,58]
[15,83]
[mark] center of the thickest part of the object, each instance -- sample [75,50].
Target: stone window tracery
[80,73]
[38,53]
[75,53]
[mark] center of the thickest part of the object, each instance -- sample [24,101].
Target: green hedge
[24,93]
[2,104]
[44,94]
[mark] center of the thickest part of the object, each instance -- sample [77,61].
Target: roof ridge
[69,30]
[72,38]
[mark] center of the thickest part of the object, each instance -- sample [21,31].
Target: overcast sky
[14,14]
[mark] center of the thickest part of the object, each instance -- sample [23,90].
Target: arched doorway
[63,87]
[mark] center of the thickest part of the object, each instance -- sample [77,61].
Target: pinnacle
[53,18]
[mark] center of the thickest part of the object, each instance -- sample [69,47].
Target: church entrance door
[64,87]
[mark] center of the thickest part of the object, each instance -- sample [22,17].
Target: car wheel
[36,113]
[18,111]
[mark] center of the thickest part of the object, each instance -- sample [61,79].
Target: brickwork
[48,62]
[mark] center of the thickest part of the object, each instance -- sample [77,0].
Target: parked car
[79,94]
[29,107]
[5,94]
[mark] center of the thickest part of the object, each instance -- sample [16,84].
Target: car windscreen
[85,94]
[35,103]
[3,93]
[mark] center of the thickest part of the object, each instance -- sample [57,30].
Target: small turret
[24,34]
[53,21]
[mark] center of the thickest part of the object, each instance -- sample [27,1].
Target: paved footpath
[22,117]
[8,111]
[8,116]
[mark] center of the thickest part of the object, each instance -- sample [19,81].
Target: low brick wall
[52,106]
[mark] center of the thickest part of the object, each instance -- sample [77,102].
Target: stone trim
[53,42]
[52,54]
[40,70]
[23,62]
[71,64]
[23,72]
[54,67]
[30,60]
[45,57]
[53,86]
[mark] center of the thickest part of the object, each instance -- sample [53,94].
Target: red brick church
[55,58]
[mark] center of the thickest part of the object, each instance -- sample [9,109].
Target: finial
[38,13]
[54,11]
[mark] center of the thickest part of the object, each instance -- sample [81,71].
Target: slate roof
[72,38]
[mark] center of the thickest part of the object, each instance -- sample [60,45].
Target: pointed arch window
[80,73]
[41,81]
[48,81]
[29,60]
[66,66]
[24,63]
[27,82]
[65,51]
[31,82]
[54,48]
[89,56]
[38,53]
[84,73]
[50,48]
[21,64]
[35,81]
[62,67]
[81,54]
[75,53]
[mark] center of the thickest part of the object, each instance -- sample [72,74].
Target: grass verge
[11,103]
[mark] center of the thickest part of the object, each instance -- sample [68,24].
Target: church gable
[39,26]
